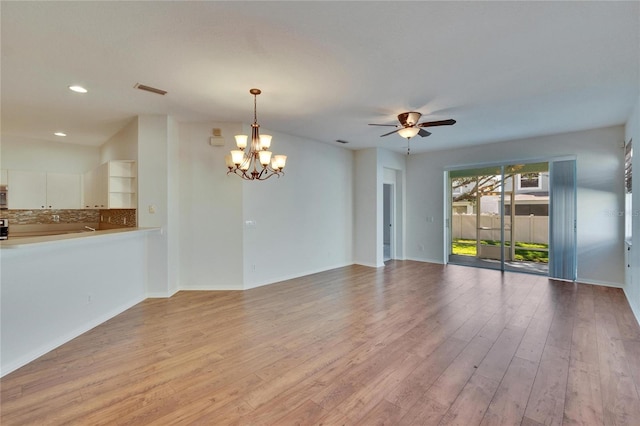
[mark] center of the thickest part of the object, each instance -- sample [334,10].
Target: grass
[526,252]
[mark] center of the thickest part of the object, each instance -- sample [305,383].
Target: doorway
[388,203]
[499,217]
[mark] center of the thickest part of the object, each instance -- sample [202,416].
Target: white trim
[634,308]
[162,295]
[436,261]
[519,183]
[510,162]
[297,275]
[602,283]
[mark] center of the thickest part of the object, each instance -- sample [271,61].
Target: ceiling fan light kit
[408,132]
[258,163]
[409,126]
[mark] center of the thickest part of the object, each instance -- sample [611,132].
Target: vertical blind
[562,220]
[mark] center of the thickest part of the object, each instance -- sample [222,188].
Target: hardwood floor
[409,344]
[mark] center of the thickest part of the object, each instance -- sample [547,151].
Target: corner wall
[157,182]
[632,287]
[298,224]
[368,198]
[600,195]
[210,205]
[302,222]
[123,145]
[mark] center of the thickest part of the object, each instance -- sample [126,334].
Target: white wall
[371,166]
[173,201]
[392,163]
[156,169]
[599,195]
[52,293]
[123,145]
[210,205]
[303,220]
[367,213]
[39,155]
[632,288]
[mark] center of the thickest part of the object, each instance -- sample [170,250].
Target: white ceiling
[503,70]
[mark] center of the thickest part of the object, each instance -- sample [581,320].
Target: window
[529,181]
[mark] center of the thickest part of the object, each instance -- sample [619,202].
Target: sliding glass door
[500,217]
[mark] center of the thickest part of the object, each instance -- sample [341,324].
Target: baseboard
[161,295]
[210,288]
[436,261]
[634,307]
[292,276]
[602,283]
[59,341]
[368,265]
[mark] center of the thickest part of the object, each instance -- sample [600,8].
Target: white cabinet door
[63,191]
[102,189]
[95,188]
[28,190]
[89,189]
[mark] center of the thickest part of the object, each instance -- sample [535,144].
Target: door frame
[447,232]
[392,206]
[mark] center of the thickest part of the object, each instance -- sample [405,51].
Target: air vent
[150,89]
[341,141]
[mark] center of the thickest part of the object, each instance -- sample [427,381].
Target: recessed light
[60,134]
[78,89]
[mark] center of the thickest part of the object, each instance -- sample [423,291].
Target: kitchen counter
[33,241]
[56,287]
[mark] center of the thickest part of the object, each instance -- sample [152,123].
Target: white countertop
[21,242]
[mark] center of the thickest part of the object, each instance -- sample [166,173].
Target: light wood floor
[408,344]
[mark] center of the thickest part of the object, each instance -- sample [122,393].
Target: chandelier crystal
[257,163]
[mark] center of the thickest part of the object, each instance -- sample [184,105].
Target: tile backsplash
[49,216]
[112,218]
[118,217]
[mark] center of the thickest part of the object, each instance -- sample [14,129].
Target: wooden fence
[529,229]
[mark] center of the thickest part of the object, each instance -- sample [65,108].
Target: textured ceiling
[503,70]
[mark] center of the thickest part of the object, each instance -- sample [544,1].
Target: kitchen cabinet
[40,190]
[63,191]
[112,185]
[28,189]
[95,188]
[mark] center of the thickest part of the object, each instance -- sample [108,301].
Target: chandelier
[257,163]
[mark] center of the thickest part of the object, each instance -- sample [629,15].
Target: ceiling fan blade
[437,123]
[388,125]
[390,133]
[423,133]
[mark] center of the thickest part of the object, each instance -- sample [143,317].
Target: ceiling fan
[409,126]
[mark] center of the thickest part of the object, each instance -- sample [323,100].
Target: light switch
[152,208]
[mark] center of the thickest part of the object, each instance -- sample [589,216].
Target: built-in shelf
[122,184]
[113,185]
